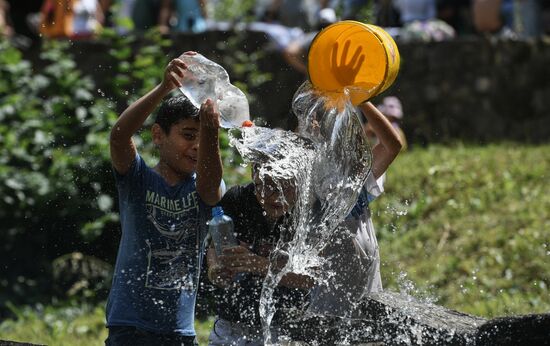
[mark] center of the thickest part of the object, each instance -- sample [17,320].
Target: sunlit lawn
[470,227]
[74,325]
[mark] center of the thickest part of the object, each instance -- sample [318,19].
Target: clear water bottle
[205,79]
[221,230]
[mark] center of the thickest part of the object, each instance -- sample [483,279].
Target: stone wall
[473,89]
[478,90]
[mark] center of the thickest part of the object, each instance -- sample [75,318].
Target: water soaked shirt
[239,303]
[354,259]
[160,252]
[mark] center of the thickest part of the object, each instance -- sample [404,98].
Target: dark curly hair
[173,110]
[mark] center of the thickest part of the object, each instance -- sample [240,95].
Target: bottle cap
[217,211]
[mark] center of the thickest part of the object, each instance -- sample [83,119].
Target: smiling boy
[163,213]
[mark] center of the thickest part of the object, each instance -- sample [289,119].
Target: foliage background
[56,183]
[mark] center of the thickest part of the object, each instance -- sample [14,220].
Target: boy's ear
[157,133]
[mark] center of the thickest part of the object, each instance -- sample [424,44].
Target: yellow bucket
[362,57]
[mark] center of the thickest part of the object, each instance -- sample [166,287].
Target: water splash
[329,160]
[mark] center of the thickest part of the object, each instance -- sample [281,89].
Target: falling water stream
[329,159]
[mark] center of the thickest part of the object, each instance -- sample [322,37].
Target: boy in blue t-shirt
[163,213]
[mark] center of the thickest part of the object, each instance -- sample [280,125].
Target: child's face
[269,195]
[178,149]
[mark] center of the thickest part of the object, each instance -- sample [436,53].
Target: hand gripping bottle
[221,230]
[204,79]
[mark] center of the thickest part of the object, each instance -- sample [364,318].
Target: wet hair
[266,179]
[173,110]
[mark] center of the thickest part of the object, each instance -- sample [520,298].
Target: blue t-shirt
[160,252]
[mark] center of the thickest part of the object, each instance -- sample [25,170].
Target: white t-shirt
[353,259]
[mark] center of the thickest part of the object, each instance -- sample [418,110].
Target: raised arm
[294,55]
[123,149]
[209,164]
[389,141]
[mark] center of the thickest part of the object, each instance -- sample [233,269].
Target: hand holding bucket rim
[362,78]
[346,73]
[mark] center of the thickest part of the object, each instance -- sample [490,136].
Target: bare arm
[123,149]
[275,5]
[294,56]
[389,144]
[209,163]
[293,280]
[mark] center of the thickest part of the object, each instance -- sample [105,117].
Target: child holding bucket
[345,70]
[354,247]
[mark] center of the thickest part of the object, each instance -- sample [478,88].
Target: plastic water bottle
[205,79]
[221,230]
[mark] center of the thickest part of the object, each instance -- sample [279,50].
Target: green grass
[68,325]
[466,226]
[469,226]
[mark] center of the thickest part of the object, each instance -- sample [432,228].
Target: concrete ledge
[389,318]
[515,330]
